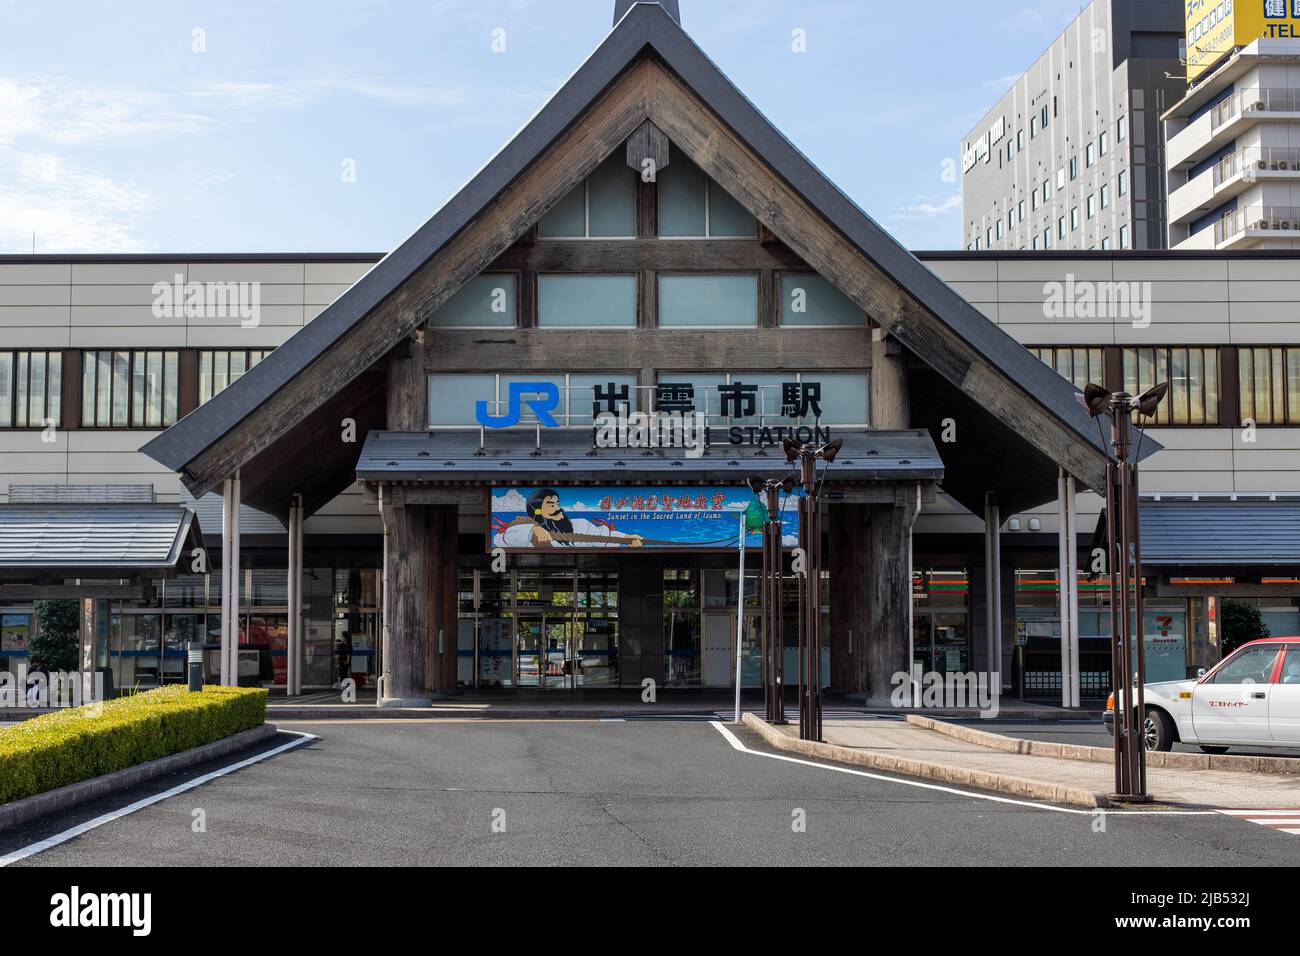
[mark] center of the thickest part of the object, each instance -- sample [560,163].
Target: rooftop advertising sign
[1217,27]
[646,517]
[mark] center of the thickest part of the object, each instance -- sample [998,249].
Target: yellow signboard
[1216,27]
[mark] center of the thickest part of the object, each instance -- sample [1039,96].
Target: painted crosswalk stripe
[1281,820]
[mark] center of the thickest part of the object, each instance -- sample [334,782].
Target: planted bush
[79,743]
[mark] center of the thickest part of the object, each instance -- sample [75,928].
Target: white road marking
[1283,821]
[50,842]
[732,739]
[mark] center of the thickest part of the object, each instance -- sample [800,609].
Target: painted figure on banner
[547,526]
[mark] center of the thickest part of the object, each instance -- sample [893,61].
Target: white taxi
[1251,699]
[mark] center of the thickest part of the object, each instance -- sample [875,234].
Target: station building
[512,454]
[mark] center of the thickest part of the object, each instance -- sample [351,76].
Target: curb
[1283,766]
[53,801]
[964,776]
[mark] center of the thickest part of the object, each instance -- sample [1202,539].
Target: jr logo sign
[546,401]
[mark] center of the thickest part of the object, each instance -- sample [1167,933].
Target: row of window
[768,399]
[490,300]
[691,206]
[1041,194]
[1268,380]
[120,388]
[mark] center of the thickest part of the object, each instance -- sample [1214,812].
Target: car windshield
[1250,664]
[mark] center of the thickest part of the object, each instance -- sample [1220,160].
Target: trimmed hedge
[76,744]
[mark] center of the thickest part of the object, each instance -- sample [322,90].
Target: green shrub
[79,743]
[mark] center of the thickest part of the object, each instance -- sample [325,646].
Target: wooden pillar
[890,404]
[848,563]
[406,594]
[888,597]
[443,603]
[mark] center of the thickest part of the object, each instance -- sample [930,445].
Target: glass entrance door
[940,641]
[545,658]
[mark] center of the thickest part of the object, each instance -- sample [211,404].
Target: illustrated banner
[656,517]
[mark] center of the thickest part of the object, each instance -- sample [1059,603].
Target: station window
[603,207]
[1077,365]
[1270,385]
[219,369]
[586,301]
[486,301]
[810,300]
[1193,377]
[708,300]
[692,206]
[128,389]
[31,388]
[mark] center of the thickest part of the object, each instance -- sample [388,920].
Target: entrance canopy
[567,457]
[1217,535]
[99,537]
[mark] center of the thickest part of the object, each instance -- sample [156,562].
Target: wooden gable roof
[646,69]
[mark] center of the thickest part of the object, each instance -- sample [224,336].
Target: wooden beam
[713,147]
[566,164]
[677,349]
[648,145]
[630,255]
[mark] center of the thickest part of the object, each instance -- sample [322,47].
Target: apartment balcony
[1254,224]
[1228,120]
[1231,176]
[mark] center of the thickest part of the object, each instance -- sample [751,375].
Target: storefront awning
[1218,533]
[567,457]
[94,536]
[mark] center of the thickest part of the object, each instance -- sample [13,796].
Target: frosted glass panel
[821,303]
[585,300]
[681,198]
[728,217]
[611,194]
[452,397]
[708,300]
[844,397]
[486,300]
[568,220]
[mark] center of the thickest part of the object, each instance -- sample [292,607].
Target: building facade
[1234,151]
[1071,157]
[448,468]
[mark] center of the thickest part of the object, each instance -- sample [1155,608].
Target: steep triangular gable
[685,95]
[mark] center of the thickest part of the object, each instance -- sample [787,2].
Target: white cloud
[928,208]
[67,206]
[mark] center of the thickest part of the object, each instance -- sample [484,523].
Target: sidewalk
[911,749]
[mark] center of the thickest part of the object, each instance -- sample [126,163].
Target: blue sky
[117,135]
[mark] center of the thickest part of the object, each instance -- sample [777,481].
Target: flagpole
[740,613]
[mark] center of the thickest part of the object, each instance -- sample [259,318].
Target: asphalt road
[637,792]
[1091,733]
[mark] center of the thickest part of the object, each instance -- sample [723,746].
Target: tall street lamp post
[771,604]
[1124,562]
[810,629]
